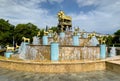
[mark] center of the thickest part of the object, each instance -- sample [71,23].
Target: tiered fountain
[67,50]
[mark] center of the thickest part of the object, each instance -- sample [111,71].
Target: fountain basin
[60,66]
[52,67]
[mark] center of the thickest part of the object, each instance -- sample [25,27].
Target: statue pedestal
[45,40]
[8,54]
[103,51]
[75,40]
[62,34]
[54,51]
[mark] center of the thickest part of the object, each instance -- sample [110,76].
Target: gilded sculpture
[64,20]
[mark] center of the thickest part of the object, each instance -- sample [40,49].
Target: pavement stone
[8,75]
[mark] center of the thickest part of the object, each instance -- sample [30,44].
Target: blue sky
[102,16]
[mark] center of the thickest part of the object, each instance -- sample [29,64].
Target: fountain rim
[49,62]
[63,45]
[54,67]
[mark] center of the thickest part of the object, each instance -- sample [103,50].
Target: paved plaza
[7,75]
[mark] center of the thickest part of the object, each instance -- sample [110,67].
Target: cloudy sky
[102,16]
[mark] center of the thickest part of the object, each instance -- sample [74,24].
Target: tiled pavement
[7,75]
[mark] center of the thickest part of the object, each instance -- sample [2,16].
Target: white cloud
[83,3]
[104,18]
[58,1]
[24,11]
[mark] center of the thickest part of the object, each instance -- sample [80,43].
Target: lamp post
[13,39]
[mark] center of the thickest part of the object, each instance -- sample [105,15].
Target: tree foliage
[27,30]
[54,28]
[6,32]
[116,39]
[109,40]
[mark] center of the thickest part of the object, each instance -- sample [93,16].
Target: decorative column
[8,54]
[75,40]
[54,51]
[45,40]
[102,51]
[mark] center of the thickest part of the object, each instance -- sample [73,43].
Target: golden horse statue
[9,48]
[38,34]
[102,40]
[61,15]
[55,37]
[17,46]
[45,33]
[26,39]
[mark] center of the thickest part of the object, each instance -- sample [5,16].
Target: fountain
[9,51]
[71,47]
[36,40]
[22,50]
[94,41]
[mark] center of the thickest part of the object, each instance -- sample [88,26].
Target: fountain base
[55,67]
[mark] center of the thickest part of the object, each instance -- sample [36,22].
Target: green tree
[41,32]
[116,39]
[54,28]
[109,40]
[27,30]
[6,32]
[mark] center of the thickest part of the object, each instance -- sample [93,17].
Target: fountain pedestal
[54,51]
[45,40]
[102,51]
[76,40]
[8,54]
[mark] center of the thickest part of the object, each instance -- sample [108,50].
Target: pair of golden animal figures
[8,48]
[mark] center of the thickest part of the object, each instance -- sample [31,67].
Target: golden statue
[76,31]
[26,39]
[64,20]
[45,33]
[55,37]
[50,31]
[16,46]
[61,15]
[101,39]
[38,34]
[9,48]
[62,29]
